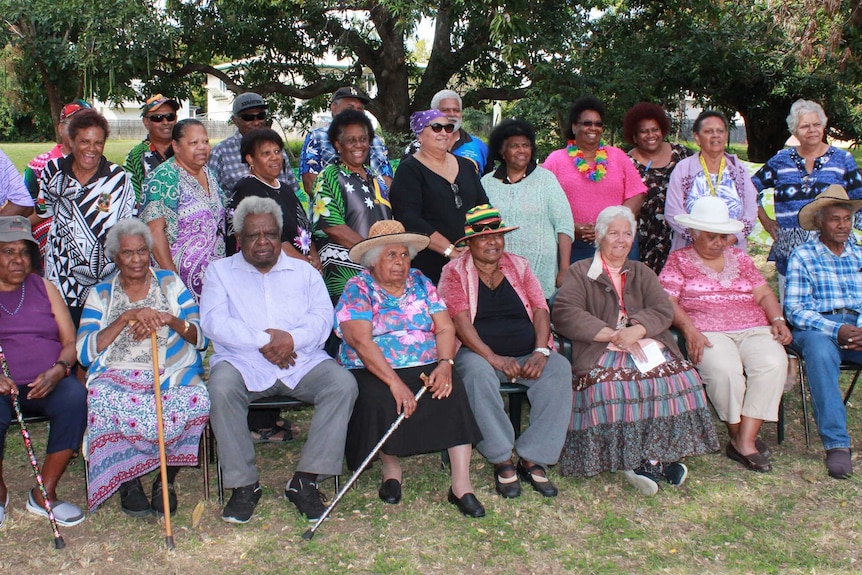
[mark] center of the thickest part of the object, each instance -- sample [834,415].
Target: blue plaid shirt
[818,282]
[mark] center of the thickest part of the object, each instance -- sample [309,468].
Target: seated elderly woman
[502,319]
[396,330]
[114,340]
[639,407]
[38,351]
[733,328]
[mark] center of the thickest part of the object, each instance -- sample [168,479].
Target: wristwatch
[448,250]
[448,360]
[543,350]
[65,364]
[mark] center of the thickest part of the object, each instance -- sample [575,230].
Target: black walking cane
[58,539]
[310,533]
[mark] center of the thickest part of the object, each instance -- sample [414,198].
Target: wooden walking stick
[160,424]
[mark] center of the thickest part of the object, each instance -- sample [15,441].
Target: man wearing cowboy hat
[823,301]
[159,115]
[317,152]
[503,322]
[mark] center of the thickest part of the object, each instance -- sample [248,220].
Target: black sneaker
[242,502]
[158,503]
[674,473]
[308,500]
[133,500]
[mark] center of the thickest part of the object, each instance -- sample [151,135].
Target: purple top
[30,337]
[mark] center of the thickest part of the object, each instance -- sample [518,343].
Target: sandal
[271,435]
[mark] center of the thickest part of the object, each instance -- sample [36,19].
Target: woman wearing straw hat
[396,330]
[733,328]
[502,319]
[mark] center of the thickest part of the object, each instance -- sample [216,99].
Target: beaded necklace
[20,302]
[599,170]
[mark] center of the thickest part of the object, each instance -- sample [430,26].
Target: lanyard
[706,173]
[623,319]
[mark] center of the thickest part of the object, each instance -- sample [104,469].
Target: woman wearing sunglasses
[432,191]
[184,208]
[593,174]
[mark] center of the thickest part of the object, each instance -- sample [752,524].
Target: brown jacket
[587,302]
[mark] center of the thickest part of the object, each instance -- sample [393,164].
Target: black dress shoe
[467,504]
[156,501]
[390,491]
[508,487]
[539,482]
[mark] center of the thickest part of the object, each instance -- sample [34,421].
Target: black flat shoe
[156,501]
[390,491]
[754,461]
[467,504]
[539,482]
[508,487]
[133,501]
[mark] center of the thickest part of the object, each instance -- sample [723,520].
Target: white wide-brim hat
[710,214]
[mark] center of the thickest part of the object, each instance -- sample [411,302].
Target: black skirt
[437,424]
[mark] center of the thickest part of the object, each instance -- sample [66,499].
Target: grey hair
[801,107]
[611,213]
[445,95]
[370,257]
[256,205]
[125,229]
[818,215]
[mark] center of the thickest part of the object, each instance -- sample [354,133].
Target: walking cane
[58,539]
[310,533]
[163,463]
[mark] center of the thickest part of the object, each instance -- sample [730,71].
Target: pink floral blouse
[715,301]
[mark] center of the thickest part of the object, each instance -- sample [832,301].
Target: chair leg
[516,403]
[803,392]
[203,458]
[852,386]
[780,422]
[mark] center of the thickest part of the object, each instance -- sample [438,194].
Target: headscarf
[420,120]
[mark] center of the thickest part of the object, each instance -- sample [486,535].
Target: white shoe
[642,483]
[65,513]
[3,510]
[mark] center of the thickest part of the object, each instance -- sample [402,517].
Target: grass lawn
[21,154]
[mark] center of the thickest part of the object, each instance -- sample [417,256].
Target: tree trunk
[766,130]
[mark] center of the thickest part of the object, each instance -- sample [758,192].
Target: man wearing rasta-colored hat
[159,115]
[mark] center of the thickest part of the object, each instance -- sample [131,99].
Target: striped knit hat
[482,220]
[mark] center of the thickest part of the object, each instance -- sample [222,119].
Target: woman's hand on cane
[7,386]
[404,400]
[440,382]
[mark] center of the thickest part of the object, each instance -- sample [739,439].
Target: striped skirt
[621,416]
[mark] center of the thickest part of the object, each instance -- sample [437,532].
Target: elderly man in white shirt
[268,316]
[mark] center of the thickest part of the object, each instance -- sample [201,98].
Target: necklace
[20,301]
[596,172]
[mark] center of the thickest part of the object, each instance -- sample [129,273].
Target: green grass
[21,154]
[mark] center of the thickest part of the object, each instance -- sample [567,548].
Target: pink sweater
[588,198]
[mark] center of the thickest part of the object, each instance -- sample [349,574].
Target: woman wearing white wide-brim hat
[733,328]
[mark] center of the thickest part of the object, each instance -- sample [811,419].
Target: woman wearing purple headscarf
[432,191]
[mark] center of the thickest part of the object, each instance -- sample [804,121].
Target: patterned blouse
[402,327]
[715,301]
[194,219]
[75,259]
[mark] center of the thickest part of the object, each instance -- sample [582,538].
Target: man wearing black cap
[249,113]
[317,152]
[159,114]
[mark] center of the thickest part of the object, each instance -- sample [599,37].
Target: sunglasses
[437,127]
[457,191]
[591,124]
[253,117]
[170,117]
[479,228]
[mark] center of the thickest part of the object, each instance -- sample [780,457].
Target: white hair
[445,95]
[125,229]
[800,108]
[611,213]
[370,257]
[256,205]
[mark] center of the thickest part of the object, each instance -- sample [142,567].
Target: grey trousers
[328,386]
[550,412]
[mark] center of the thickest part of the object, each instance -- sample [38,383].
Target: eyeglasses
[591,124]
[253,117]
[478,228]
[170,117]
[437,127]
[457,191]
[350,142]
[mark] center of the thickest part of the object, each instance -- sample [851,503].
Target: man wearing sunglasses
[317,152]
[159,114]
[249,113]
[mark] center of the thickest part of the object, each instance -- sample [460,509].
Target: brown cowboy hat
[834,194]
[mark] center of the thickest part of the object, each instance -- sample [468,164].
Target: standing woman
[184,207]
[86,195]
[711,172]
[593,174]
[536,201]
[432,191]
[798,175]
[646,126]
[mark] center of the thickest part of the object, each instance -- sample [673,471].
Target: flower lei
[595,173]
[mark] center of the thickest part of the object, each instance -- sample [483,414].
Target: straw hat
[834,194]
[483,220]
[709,214]
[388,232]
